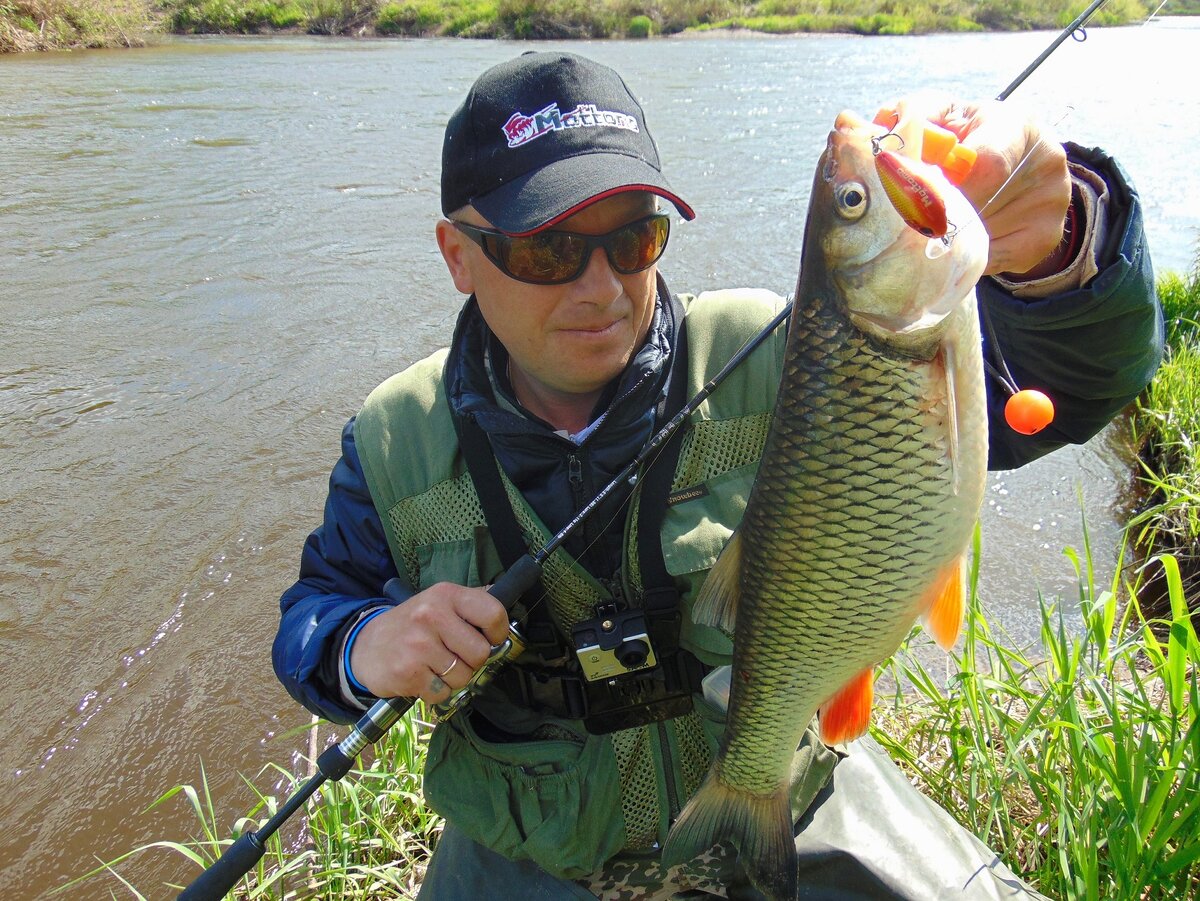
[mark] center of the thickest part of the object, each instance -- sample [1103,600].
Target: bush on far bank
[46,24]
[53,24]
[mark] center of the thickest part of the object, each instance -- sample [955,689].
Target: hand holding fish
[1019,183]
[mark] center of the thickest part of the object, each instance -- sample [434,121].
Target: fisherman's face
[570,339]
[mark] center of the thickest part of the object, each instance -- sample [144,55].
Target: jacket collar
[478,386]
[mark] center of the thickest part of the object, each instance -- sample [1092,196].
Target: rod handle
[219,879]
[515,581]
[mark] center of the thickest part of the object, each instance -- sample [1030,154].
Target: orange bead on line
[1029,411]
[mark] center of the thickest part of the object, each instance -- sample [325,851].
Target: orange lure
[915,199]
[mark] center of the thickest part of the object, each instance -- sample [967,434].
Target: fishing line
[1025,158]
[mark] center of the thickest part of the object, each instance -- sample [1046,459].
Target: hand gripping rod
[335,762]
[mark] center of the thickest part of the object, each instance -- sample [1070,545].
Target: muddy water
[210,251]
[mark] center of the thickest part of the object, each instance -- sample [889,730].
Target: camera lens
[633,653]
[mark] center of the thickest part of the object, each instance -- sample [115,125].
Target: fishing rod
[1067,32]
[335,762]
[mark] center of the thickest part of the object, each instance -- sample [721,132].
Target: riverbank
[28,25]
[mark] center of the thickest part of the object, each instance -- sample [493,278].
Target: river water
[211,250]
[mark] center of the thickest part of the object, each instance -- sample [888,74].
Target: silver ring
[453,663]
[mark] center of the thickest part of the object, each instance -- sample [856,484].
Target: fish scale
[870,483]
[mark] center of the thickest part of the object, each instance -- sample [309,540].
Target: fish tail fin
[717,600]
[947,603]
[846,715]
[759,826]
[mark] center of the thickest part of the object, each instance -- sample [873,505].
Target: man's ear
[453,245]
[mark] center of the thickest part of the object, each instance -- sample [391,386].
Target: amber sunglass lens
[549,257]
[636,246]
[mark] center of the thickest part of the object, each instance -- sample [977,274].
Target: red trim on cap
[684,208]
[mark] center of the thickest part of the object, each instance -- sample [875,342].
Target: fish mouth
[889,304]
[898,326]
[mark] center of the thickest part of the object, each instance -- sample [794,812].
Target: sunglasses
[555,258]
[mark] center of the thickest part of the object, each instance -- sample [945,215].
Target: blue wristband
[354,683]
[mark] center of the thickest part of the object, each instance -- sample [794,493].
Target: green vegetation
[366,837]
[1166,425]
[1077,760]
[44,24]
[51,24]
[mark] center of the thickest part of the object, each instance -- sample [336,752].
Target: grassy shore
[50,24]
[1166,425]
[1077,760]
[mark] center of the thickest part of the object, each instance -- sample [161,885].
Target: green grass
[366,837]
[1078,761]
[1166,426]
[52,24]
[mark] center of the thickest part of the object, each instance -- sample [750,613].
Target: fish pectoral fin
[717,600]
[846,715]
[946,604]
[759,826]
[952,414]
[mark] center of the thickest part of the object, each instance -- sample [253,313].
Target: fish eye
[851,200]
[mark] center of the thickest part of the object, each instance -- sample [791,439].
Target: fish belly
[857,510]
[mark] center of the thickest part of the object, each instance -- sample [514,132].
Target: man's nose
[599,282]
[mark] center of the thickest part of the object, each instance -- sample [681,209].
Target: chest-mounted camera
[613,644]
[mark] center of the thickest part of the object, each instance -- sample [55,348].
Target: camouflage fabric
[643,879]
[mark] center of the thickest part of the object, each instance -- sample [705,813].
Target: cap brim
[554,192]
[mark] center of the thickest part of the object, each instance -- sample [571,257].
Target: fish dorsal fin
[717,601]
[946,603]
[948,363]
[846,715]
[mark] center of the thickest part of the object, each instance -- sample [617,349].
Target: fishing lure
[914,197]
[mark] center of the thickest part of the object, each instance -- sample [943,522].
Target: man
[562,366]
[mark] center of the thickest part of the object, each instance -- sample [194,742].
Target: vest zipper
[575,477]
[668,772]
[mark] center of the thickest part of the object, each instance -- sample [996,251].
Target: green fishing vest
[566,799]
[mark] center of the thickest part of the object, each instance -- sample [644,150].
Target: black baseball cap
[541,136]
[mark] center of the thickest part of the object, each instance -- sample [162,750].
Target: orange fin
[846,715]
[943,613]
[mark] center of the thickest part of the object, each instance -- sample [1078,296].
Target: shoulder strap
[502,522]
[660,598]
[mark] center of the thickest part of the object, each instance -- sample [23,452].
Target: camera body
[613,644]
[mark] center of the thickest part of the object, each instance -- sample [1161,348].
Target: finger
[456,673]
[931,106]
[464,641]
[485,613]
[1021,239]
[438,691]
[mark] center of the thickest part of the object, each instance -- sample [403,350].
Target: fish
[860,518]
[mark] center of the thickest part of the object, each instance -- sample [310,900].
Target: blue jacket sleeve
[1091,350]
[343,568]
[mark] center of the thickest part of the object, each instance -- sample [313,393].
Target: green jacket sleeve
[1091,350]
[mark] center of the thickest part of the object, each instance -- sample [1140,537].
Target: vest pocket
[555,802]
[694,530]
[448,561]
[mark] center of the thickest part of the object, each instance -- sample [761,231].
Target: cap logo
[521,128]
